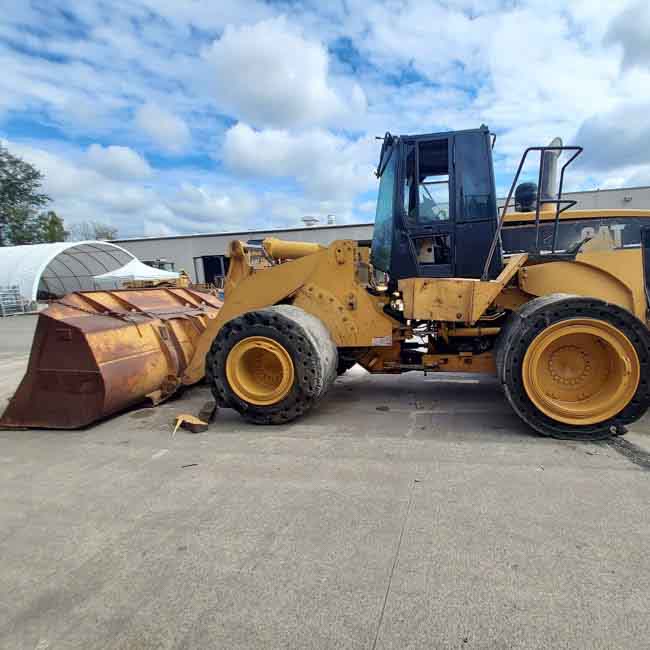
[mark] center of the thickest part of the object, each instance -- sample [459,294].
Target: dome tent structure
[45,271]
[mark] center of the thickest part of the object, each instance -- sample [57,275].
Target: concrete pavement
[442,522]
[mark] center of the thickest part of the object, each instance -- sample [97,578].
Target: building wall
[187,251]
[633,198]
[628,198]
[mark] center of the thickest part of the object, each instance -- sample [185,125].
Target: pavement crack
[395,560]
[632,452]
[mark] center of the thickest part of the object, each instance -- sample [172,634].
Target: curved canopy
[51,270]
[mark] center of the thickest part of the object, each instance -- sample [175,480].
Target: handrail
[538,202]
[556,224]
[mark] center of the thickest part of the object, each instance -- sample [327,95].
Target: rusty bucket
[98,352]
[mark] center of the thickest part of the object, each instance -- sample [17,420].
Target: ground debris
[190,423]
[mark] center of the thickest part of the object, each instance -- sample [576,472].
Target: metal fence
[11,302]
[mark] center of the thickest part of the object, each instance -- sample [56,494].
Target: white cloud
[304,88]
[157,229]
[163,127]
[62,177]
[326,166]
[530,70]
[616,146]
[219,208]
[209,15]
[118,162]
[631,30]
[617,139]
[269,74]
[80,193]
[367,208]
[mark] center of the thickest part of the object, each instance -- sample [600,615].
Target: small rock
[383,408]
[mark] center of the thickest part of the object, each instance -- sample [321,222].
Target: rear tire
[272,365]
[565,359]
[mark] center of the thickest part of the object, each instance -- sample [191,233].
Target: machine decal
[622,231]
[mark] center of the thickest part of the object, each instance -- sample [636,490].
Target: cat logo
[614,233]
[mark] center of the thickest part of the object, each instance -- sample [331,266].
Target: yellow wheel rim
[260,371]
[581,371]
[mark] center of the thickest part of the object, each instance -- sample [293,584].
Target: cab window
[434,199]
[383,232]
[426,184]
[433,182]
[474,178]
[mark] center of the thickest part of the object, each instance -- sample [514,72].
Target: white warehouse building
[203,256]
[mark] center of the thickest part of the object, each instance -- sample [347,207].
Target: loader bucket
[98,352]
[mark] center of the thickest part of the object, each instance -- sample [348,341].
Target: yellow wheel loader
[563,328]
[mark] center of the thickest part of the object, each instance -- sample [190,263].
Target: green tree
[26,226]
[21,226]
[51,227]
[20,185]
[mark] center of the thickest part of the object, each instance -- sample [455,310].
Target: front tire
[575,368]
[272,365]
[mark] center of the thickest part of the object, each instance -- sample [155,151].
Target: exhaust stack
[549,187]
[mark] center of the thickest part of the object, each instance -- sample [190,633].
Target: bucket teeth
[99,352]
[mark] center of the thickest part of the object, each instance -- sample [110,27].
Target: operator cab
[436,207]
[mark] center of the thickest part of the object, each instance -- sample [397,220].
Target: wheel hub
[260,370]
[581,371]
[569,365]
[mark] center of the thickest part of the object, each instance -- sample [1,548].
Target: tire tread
[522,327]
[313,353]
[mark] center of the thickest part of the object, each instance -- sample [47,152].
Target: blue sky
[176,116]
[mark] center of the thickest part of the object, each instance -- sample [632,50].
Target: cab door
[427,208]
[475,204]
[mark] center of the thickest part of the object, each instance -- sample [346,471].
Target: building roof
[249,232]
[59,268]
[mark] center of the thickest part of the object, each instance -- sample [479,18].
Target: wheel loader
[563,329]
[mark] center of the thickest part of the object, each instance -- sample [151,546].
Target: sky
[164,117]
